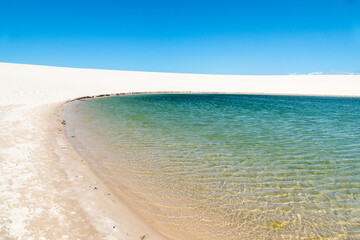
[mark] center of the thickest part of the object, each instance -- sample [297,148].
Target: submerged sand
[47,190]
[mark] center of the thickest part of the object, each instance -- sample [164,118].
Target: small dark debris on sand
[143,237]
[63,122]
[83,98]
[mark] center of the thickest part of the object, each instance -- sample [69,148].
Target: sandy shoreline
[47,190]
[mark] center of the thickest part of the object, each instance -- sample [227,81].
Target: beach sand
[47,191]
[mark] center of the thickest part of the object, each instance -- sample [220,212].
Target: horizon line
[328,73]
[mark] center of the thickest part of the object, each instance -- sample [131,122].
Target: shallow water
[205,166]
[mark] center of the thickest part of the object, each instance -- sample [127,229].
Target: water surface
[206,166]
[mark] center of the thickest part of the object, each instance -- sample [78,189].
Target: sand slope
[46,190]
[42,84]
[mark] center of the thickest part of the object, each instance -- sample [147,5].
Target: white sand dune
[47,191]
[42,84]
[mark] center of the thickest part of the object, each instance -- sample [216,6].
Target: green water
[205,166]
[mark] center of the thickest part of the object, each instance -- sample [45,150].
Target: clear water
[206,166]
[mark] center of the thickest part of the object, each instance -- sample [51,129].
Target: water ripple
[229,166]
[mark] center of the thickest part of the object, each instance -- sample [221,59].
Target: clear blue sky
[191,36]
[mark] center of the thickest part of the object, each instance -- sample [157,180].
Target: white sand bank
[46,190]
[41,84]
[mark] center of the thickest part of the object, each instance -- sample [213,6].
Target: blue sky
[217,37]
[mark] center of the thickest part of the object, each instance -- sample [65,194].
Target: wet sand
[47,190]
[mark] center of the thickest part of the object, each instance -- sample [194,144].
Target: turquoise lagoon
[217,166]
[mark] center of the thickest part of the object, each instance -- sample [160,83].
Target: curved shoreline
[84,98]
[42,193]
[129,223]
[48,190]
[138,93]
